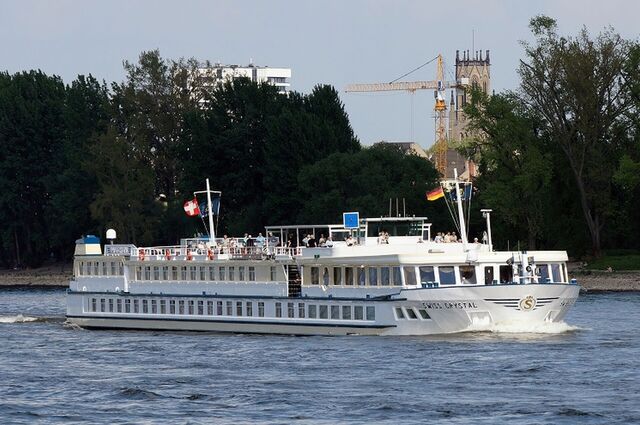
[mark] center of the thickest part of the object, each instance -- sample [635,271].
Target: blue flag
[215,206]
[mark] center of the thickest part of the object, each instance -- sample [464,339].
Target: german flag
[435,194]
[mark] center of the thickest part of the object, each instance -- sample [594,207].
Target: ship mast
[463,227]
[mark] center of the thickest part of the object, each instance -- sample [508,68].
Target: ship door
[488,275]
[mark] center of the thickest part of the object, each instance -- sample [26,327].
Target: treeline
[82,157]
[559,158]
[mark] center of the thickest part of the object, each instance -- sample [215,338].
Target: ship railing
[159,253]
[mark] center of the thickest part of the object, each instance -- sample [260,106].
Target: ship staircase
[294,280]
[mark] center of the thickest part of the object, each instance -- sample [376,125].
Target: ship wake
[518,327]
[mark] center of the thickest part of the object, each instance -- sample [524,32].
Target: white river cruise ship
[374,276]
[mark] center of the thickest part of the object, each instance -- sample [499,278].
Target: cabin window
[172,307]
[93,304]
[323,312]
[136,306]
[506,274]
[362,276]
[127,306]
[555,272]
[113,268]
[193,272]
[346,312]
[232,273]
[468,275]
[203,273]
[138,273]
[335,312]
[371,312]
[192,307]
[210,308]
[200,307]
[409,276]
[249,307]
[212,273]
[241,273]
[219,308]
[104,268]
[95,268]
[301,310]
[165,272]
[373,276]
[543,273]
[272,276]
[325,276]
[222,273]
[163,307]
[427,275]
[290,310]
[424,314]
[260,309]
[348,275]
[183,273]
[156,273]
[488,275]
[447,275]
[239,308]
[121,269]
[411,314]
[399,313]
[397,276]
[154,306]
[147,273]
[278,309]
[174,273]
[181,307]
[312,311]
[337,275]
[110,305]
[229,308]
[384,276]
[252,274]
[315,276]
[358,312]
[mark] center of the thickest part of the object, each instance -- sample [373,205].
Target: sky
[323,42]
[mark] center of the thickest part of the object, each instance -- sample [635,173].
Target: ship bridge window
[409,275]
[555,272]
[315,276]
[468,275]
[427,274]
[411,314]
[373,276]
[394,228]
[447,275]
[397,276]
[424,314]
[399,313]
[506,274]
[543,273]
[384,276]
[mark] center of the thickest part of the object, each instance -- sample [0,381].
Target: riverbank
[58,275]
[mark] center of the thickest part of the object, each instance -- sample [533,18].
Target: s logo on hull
[527,303]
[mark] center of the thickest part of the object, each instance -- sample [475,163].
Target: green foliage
[616,262]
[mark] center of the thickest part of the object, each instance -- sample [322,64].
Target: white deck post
[212,232]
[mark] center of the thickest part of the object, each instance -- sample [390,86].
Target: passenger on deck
[260,240]
[447,237]
[311,243]
[322,241]
[350,240]
[454,238]
[438,238]
[305,240]
[329,242]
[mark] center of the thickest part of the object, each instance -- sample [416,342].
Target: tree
[579,87]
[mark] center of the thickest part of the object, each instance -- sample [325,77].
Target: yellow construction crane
[439,86]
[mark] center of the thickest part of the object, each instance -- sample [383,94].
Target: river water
[582,372]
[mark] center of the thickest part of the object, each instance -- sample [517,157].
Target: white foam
[517,327]
[17,319]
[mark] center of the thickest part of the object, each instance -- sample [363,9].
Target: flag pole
[212,232]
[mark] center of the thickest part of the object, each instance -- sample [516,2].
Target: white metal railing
[177,252]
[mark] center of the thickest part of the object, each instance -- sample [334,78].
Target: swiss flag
[191,208]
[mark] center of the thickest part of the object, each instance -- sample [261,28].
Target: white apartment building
[278,77]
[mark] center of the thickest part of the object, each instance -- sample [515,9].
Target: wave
[518,327]
[20,318]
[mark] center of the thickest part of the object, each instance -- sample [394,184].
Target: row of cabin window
[204,273]
[444,275]
[323,311]
[410,313]
[188,307]
[100,268]
[229,308]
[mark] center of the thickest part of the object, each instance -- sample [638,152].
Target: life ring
[189,255]
[167,254]
[141,254]
[210,254]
